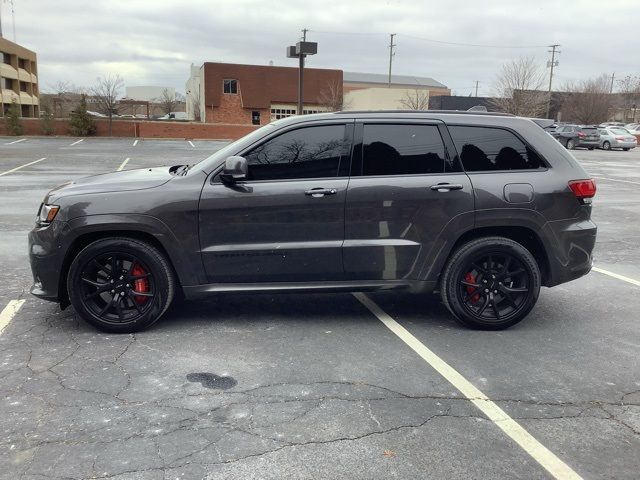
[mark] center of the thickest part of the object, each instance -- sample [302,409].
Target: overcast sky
[153,42]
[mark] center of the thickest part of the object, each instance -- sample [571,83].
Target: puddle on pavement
[211,380]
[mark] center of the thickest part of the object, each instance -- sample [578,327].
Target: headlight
[47,213]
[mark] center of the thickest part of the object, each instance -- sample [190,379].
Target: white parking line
[616,180]
[135,142]
[16,141]
[123,164]
[545,457]
[9,312]
[616,275]
[22,166]
[191,143]
[76,142]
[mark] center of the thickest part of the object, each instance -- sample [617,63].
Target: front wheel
[571,144]
[490,283]
[120,285]
[606,146]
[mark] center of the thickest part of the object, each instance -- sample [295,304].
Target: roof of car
[446,116]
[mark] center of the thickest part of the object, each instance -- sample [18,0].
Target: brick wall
[232,111]
[144,129]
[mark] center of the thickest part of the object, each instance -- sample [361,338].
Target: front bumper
[46,257]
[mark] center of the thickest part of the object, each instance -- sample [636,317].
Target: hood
[124,181]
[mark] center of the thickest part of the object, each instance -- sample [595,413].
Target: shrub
[46,117]
[14,124]
[82,124]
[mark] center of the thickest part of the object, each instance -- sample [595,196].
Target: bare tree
[588,101]
[415,100]
[167,101]
[629,92]
[332,97]
[61,94]
[105,95]
[518,88]
[195,104]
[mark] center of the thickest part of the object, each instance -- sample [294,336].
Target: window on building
[6,58]
[278,113]
[7,83]
[483,149]
[230,86]
[311,152]
[255,118]
[402,149]
[23,86]
[22,63]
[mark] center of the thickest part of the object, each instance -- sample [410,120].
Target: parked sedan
[613,137]
[573,136]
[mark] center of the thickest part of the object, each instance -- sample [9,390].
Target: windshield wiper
[180,170]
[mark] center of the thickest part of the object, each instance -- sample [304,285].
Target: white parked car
[634,128]
[616,137]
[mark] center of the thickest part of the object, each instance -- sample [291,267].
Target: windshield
[619,131]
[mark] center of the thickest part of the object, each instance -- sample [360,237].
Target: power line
[443,42]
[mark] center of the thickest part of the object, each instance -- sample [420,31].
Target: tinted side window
[311,152]
[484,148]
[402,149]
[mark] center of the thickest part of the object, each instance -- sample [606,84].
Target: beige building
[18,79]
[379,98]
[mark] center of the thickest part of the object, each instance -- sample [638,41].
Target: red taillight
[620,138]
[581,135]
[583,188]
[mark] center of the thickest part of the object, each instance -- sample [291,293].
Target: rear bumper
[587,143]
[570,246]
[618,144]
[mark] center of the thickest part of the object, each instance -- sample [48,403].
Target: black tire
[606,145]
[591,148]
[120,285]
[626,149]
[470,285]
[571,144]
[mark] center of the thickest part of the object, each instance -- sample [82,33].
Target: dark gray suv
[484,208]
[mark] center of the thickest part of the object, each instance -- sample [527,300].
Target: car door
[285,223]
[405,192]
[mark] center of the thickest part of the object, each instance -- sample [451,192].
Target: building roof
[379,78]
[261,85]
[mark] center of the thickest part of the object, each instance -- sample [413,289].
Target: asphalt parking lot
[317,386]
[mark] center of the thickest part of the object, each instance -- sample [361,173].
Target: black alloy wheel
[117,287]
[120,285]
[490,283]
[495,287]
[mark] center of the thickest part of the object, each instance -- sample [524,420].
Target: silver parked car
[616,137]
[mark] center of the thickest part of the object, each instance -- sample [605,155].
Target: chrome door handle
[445,187]
[321,192]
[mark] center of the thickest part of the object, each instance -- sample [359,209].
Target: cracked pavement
[323,389]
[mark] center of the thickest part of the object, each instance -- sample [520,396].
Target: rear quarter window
[490,148]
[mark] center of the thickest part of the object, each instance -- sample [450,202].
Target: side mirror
[235,169]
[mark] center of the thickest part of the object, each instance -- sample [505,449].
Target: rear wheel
[626,149]
[491,283]
[120,285]
[571,144]
[606,145]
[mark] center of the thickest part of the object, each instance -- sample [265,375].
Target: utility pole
[612,79]
[304,34]
[300,50]
[391,45]
[553,63]
[477,81]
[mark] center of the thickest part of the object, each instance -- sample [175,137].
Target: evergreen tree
[14,124]
[82,124]
[46,117]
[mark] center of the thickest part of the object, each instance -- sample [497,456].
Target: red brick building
[254,94]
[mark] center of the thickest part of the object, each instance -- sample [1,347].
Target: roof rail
[452,112]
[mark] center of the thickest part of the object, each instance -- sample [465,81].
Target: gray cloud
[154,42]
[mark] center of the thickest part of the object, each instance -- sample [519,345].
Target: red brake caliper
[470,277]
[141,285]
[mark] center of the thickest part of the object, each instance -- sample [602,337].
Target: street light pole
[300,50]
